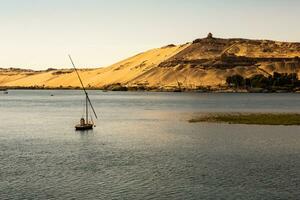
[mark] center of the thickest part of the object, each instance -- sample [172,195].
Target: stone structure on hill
[209,36]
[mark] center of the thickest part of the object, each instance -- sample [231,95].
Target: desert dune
[205,62]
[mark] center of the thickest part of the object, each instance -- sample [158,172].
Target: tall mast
[88,101]
[86,110]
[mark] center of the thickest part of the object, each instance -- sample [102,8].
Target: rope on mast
[83,88]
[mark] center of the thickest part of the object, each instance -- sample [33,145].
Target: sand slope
[204,62]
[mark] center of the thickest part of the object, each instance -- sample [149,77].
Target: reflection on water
[143,147]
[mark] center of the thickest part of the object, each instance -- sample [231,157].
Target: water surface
[144,148]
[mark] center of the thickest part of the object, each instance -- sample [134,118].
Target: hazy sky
[39,34]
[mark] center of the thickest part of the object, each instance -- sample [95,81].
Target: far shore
[285,119]
[158,89]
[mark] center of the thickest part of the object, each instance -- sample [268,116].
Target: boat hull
[84,127]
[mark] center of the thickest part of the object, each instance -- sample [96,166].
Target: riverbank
[118,87]
[286,119]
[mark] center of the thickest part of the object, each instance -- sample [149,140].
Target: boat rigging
[85,124]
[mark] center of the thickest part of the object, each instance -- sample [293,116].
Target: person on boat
[82,122]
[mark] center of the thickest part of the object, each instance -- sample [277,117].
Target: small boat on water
[4,91]
[85,123]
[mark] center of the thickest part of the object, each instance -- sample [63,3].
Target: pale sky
[39,34]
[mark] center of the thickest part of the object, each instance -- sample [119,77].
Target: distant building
[210,36]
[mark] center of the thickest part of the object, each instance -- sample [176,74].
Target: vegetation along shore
[286,119]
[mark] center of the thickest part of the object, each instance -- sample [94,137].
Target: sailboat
[84,123]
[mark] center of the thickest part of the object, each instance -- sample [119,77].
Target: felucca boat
[85,123]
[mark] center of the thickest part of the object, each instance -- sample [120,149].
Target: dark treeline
[286,80]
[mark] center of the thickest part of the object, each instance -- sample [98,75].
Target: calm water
[144,148]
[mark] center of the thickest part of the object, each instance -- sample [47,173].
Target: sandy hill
[204,62]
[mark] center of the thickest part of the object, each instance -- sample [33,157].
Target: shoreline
[152,89]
